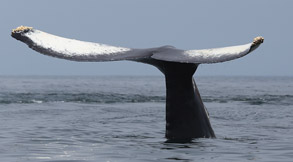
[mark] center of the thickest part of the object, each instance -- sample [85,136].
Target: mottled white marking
[79,50]
[71,46]
[204,55]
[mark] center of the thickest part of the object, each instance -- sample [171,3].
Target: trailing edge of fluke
[76,50]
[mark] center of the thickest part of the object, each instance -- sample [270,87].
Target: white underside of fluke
[213,55]
[78,50]
[87,51]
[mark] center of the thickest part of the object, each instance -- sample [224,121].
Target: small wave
[30,98]
[39,98]
[253,100]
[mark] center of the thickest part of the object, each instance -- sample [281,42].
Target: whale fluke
[186,115]
[76,50]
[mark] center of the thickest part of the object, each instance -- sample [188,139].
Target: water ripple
[30,98]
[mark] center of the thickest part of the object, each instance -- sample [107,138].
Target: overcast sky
[185,24]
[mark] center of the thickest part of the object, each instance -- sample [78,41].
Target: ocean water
[122,119]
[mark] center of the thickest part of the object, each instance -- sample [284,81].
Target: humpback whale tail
[186,115]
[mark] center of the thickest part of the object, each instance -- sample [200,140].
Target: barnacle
[21,29]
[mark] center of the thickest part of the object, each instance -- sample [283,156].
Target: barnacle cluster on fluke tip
[21,29]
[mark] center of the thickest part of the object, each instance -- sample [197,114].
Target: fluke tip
[258,40]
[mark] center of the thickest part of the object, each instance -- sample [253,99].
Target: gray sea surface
[122,119]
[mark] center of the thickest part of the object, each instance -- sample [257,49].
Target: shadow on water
[209,149]
[186,143]
[180,141]
[178,159]
[185,149]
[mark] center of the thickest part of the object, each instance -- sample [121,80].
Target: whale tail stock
[186,115]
